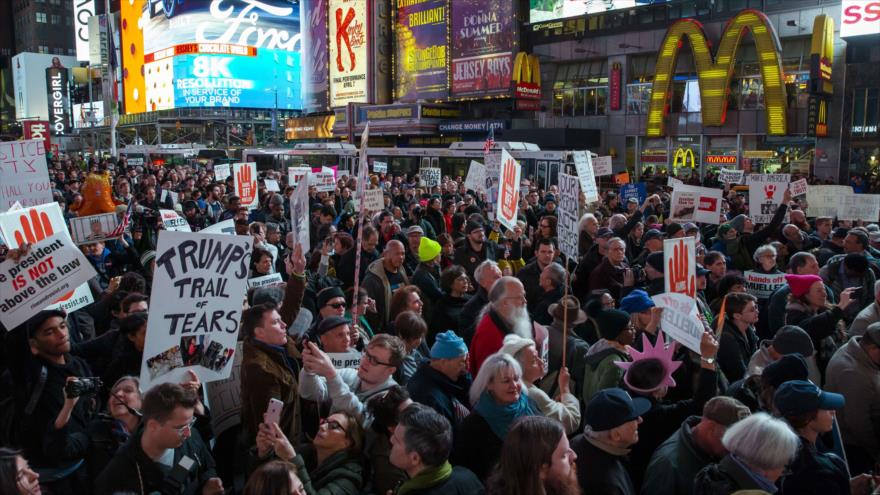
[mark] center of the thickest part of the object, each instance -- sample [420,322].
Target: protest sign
[798,187]
[52,267]
[672,182]
[430,176]
[271,279]
[567,227]
[765,195]
[508,191]
[34,224]
[680,264]
[602,166]
[621,178]
[323,181]
[859,207]
[174,222]
[244,184]
[224,227]
[729,176]
[92,228]
[198,288]
[584,166]
[696,204]
[679,319]
[24,175]
[166,193]
[224,396]
[341,360]
[373,200]
[476,177]
[380,167]
[299,212]
[492,163]
[637,191]
[221,172]
[272,185]
[295,174]
[824,201]
[326,170]
[761,285]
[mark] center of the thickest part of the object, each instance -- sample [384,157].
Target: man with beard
[475,249]
[536,459]
[505,314]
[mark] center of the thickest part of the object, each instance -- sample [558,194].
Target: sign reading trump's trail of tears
[198,290]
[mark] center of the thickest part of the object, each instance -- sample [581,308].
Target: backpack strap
[38,391]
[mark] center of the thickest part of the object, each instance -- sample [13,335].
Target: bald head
[393,256]
[503,287]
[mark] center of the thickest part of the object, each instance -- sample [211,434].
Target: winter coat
[741,247]
[427,279]
[379,288]
[469,259]
[609,277]
[460,482]
[815,473]
[529,276]
[476,446]
[447,312]
[600,472]
[821,326]
[868,315]
[340,474]
[267,374]
[831,274]
[434,389]
[470,315]
[675,463]
[778,302]
[343,391]
[761,359]
[735,349]
[345,267]
[725,478]
[600,371]
[852,373]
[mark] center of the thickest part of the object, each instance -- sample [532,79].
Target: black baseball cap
[613,407]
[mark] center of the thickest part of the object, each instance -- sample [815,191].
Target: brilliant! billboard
[218,53]
[483,34]
[420,34]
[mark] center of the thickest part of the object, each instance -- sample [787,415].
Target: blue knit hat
[636,302]
[448,345]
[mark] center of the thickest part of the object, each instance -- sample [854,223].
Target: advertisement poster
[420,34]
[38,129]
[762,285]
[508,191]
[349,49]
[586,174]
[680,263]
[244,184]
[549,10]
[57,91]
[765,195]
[315,68]
[696,204]
[82,10]
[24,175]
[52,267]
[482,34]
[567,228]
[198,284]
[34,224]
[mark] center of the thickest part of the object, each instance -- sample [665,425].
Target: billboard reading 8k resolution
[483,34]
[211,53]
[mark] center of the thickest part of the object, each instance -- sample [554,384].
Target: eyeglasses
[187,427]
[332,424]
[374,360]
[336,305]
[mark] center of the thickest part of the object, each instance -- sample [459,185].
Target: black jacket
[598,471]
[460,482]
[815,473]
[468,319]
[447,312]
[432,388]
[529,276]
[476,446]
[345,268]
[735,349]
[469,259]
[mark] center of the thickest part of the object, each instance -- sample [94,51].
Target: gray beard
[520,323]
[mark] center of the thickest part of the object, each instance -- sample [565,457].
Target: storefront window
[865,112]
[751,93]
[638,97]
[579,102]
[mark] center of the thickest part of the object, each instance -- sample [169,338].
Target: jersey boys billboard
[349,48]
[483,34]
[421,49]
[218,53]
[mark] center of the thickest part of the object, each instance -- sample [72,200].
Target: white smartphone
[273,412]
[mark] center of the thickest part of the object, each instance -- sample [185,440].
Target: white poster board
[765,195]
[24,174]
[93,228]
[244,184]
[221,172]
[295,174]
[196,306]
[508,191]
[730,176]
[856,207]
[174,222]
[52,267]
[323,181]
[762,285]
[342,360]
[696,204]
[380,167]
[798,187]
[225,227]
[602,166]
[430,176]
[584,165]
[476,177]
[265,280]
[374,200]
[567,227]
[299,212]
[680,265]
[272,185]
[680,320]
[824,201]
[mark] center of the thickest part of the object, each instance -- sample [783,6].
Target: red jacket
[489,337]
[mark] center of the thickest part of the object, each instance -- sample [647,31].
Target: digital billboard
[349,48]
[218,53]
[316,53]
[483,34]
[57,87]
[549,10]
[420,34]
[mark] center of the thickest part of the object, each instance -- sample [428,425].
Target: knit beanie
[800,284]
[636,302]
[513,343]
[738,222]
[146,258]
[428,249]
[448,345]
[611,322]
[325,295]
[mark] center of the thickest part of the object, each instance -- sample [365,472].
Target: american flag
[121,226]
[490,141]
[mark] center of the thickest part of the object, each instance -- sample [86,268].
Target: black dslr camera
[82,386]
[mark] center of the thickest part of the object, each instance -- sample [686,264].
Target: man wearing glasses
[167,455]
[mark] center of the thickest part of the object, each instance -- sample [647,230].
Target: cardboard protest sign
[174,222]
[637,190]
[679,320]
[221,172]
[762,285]
[696,204]
[272,185]
[508,191]
[244,184]
[430,176]
[729,176]
[34,224]
[476,177]
[295,174]
[224,227]
[584,166]
[373,200]
[341,360]
[323,181]
[602,166]
[225,396]
[765,195]
[299,212]
[271,279]
[198,288]
[824,201]
[567,226]
[798,187]
[380,167]
[93,228]
[24,175]
[859,207]
[53,266]
[680,263]
[672,182]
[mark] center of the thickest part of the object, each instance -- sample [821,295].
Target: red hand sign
[508,189]
[247,185]
[34,228]
[680,279]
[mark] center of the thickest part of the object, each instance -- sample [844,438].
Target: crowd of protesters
[488,362]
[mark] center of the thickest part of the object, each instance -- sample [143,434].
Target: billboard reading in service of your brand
[482,47]
[421,49]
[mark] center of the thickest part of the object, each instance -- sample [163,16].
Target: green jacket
[339,474]
[601,372]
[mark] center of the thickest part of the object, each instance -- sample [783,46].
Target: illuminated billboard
[549,10]
[315,54]
[218,53]
[420,63]
[349,61]
[483,34]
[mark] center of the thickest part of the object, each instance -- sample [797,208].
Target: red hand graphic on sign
[508,190]
[34,228]
[247,186]
[681,281]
